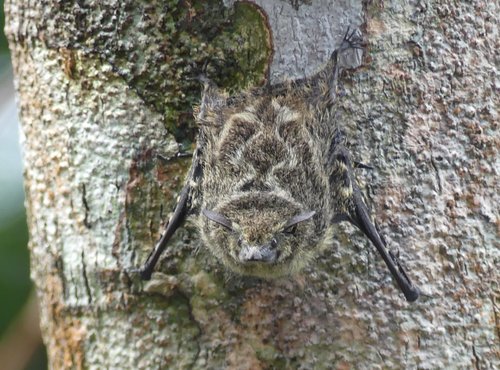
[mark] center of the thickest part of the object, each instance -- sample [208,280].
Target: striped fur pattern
[264,157]
[271,175]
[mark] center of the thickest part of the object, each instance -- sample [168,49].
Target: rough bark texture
[104,98]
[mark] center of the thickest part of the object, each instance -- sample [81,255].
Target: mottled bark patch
[232,45]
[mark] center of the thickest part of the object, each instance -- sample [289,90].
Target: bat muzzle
[262,254]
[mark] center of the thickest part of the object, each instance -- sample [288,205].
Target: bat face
[260,234]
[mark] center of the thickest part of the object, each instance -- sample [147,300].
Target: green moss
[248,42]
[231,46]
[159,48]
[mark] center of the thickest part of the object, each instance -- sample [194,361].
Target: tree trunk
[105,97]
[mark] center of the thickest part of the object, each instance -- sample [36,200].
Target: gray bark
[101,95]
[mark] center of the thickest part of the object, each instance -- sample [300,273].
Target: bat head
[260,234]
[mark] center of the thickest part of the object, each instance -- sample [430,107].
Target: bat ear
[211,98]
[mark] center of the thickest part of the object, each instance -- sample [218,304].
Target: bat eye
[291,226]
[290,230]
[274,243]
[218,218]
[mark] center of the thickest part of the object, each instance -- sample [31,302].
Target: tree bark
[105,94]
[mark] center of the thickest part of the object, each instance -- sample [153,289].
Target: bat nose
[261,253]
